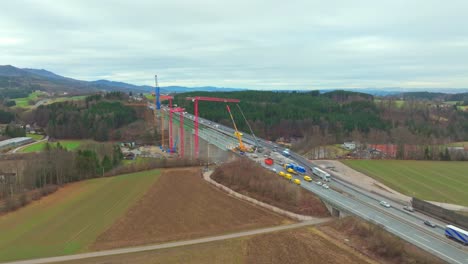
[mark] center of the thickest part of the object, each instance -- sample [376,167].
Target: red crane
[181,129]
[210,99]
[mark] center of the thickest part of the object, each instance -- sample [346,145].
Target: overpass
[345,198]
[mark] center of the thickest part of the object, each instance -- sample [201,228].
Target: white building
[349,145]
[15,142]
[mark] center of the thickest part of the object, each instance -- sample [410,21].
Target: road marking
[422,238]
[408,238]
[383,219]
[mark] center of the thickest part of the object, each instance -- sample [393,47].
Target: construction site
[188,136]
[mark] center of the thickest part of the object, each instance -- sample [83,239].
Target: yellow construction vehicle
[238,134]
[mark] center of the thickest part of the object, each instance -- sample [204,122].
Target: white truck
[325,176]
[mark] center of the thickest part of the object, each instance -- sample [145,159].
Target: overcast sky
[243,43]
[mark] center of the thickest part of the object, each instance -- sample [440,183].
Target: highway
[359,202]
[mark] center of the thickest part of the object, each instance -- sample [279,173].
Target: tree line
[94,118]
[55,166]
[285,114]
[6,117]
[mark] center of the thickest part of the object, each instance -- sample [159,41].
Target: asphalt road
[407,226]
[169,245]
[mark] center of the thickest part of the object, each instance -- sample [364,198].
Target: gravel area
[360,179]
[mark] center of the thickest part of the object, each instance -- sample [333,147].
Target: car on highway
[385,204]
[428,223]
[408,208]
[326,186]
[274,169]
[319,183]
[307,178]
[297,181]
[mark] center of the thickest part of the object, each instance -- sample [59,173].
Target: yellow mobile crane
[238,134]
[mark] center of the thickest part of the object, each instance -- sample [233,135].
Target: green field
[70,220]
[441,181]
[398,103]
[35,136]
[63,99]
[68,144]
[459,144]
[138,160]
[23,102]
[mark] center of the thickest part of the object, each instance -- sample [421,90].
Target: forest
[94,118]
[41,173]
[289,115]
[316,119]
[6,117]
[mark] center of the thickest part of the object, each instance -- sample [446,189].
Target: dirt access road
[360,179]
[171,244]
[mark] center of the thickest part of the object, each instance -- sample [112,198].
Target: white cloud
[6,41]
[255,44]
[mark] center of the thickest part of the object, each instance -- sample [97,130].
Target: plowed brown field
[179,206]
[303,245]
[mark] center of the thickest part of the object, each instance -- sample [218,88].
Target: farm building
[15,142]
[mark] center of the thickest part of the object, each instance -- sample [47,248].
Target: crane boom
[236,133]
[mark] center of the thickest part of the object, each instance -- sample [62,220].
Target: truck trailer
[322,174]
[457,234]
[295,167]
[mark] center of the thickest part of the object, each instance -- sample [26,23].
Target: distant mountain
[45,80]
[105,84]
[431,96]
[44,73]
[41,79]
[10,71]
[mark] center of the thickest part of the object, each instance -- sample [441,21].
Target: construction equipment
[174,148]
[258,148]
[195,101]
[157,103]
[157,91]
[238,134]
[295,167]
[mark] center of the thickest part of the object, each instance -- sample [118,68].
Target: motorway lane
[365,207]
[437,247]
[414,219]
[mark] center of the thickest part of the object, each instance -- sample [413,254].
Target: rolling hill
[40,79]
